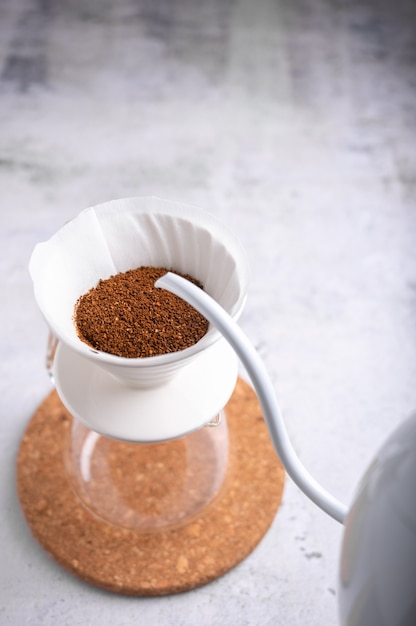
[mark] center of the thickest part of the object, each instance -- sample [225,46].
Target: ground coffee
[127,316]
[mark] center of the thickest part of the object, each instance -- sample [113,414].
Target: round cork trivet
[162,562]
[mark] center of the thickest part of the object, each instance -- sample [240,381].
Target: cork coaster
[163,562]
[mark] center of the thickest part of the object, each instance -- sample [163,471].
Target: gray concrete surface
[294,122]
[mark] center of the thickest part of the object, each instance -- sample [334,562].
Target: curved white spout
[263,386]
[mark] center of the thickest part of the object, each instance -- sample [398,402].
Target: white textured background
[294,122]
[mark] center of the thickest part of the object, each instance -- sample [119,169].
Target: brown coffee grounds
[127,316]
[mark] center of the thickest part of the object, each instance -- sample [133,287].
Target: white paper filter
[125,234]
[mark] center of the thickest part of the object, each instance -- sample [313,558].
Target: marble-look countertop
[294,123]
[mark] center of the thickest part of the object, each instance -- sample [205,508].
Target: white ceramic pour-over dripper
[143,399]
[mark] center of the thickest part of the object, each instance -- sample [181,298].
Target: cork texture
[162,562]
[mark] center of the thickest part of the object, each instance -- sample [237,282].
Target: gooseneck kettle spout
[260,379]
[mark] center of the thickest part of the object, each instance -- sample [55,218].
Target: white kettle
[377,573]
